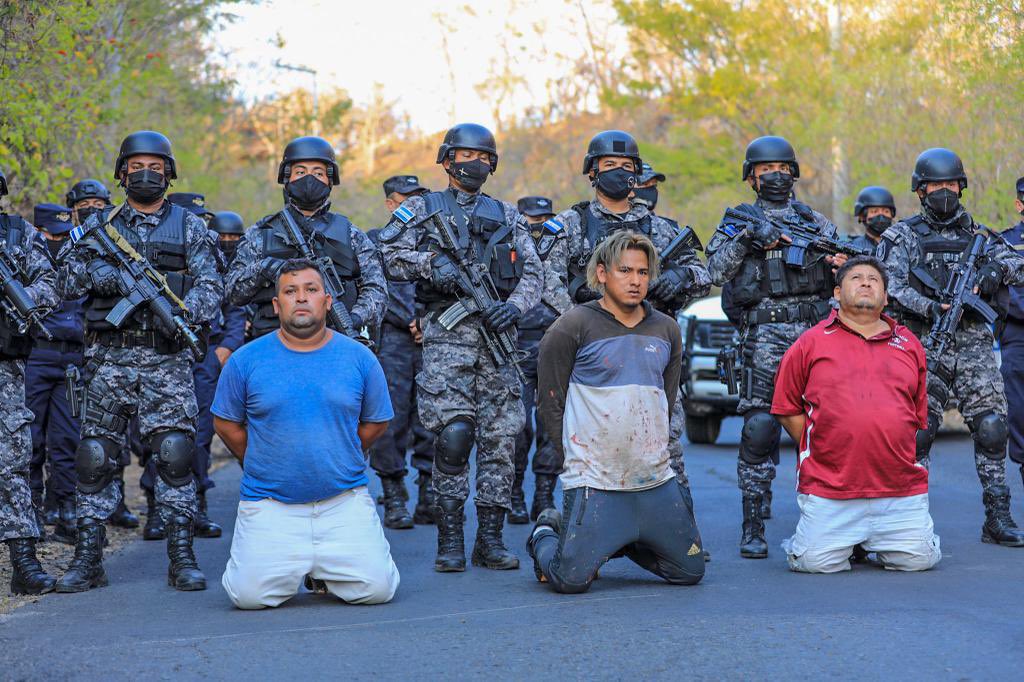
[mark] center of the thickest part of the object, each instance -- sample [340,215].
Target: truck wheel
[703,430]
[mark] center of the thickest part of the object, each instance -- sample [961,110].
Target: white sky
[398,43]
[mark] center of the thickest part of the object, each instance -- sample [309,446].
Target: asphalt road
[747,619]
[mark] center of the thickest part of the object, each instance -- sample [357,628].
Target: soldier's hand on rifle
[938,308]
[270,268]
[767,236]
[585,294]
[671,283]
[357,322]
[990,278]
[105,279]
[837,261]
[501,316]
[444,276]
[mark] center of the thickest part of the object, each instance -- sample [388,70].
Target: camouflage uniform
[765,342]
[968,369]
[17,516]
[459,377]
[158,387]
[245,281]
[577,251]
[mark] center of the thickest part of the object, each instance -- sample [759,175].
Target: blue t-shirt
[302,411]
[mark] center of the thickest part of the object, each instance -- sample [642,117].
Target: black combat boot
[51,511]
[183,572]
[395,513]
[451,553]
[999,528]
[549,523]
[543,495]
[122,516]
[753,544]
[86,568]
[154,528]
[66,528]
[205,527]
[489,550]
[28,576]
[37,507]
[517,514]
[766,505]
[425,503]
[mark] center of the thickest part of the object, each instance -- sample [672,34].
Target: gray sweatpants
[654,528]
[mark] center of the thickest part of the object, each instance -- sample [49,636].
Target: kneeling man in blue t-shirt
[297,408]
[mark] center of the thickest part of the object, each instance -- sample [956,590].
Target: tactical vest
[485,233]
[13,346]
[336,242]
[764,274]
[595,230]
[166,249]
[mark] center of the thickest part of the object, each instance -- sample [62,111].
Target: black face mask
[84,213]
[307,193]
[616,184]
[648,196]
[775,186]
[54,246]
[943,203]
[228,248]
[470,174]
[878,224]
[145,186]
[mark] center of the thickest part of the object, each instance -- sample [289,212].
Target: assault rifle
[959,295]
[338,315]
[476,293]
[684,238]
[17,303]
[141,285]
[804,241]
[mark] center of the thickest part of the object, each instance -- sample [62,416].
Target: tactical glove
[670,285]
[990,278]
[444,276]
[764,234]
[105,279]
[585,294]
[501,316]
[270,268]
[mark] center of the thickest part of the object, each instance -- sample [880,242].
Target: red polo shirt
[864,400]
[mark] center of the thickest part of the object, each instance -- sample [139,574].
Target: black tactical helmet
[612,143]
[3,183]
[873,195]
[227,222]
[935,165]
[770,149]
[308,149]
[146,142]
[468,136]
[87,189]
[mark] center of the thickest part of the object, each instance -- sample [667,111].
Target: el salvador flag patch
[730,230]
[76,234]
[404,214]
[553,226]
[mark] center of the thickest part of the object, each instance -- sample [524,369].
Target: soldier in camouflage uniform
[875,209]
[308,171]
[779,303]
[615,168]
[18,527]
[539,220]
[920,253]
[141,368]
[463,396]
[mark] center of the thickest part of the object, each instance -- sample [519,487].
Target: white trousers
[339,540]
[898,529]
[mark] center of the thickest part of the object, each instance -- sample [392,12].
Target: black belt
[60,346]
[128,339]
[800,312]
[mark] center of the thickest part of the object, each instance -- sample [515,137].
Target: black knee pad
[453,444]
[173,452]
[990,432]
[925,437]
[95,463]
[759,439]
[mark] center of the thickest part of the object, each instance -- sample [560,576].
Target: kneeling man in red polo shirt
[851,391]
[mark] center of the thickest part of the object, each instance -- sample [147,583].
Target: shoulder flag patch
[404,214]
[76,234]
[729,230]
[553,225]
